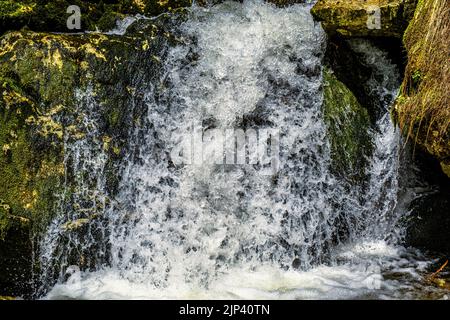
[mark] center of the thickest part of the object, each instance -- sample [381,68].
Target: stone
[364,18]
[348,126]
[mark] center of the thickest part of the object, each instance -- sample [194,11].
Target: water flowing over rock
[171,230]
[43,77]
[119,145]
[349,128]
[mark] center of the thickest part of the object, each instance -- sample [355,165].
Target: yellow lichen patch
[446,168]
[74,132]
[145,45]
[48,169]
[47,125]
[140,4]
[4,206]
[22,9]
[163,3]
[9,41]
[6,148]
[84,65]
[51,127]
[29,200]
[91,50]
[116,150]
[73,225]
[56,109]
[106,142]
[57,59]
[52,40]
[156,58]
[22,220]
[13,97]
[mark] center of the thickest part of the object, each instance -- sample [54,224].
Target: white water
[227,231]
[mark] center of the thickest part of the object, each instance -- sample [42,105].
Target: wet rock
[40,15]
[348,128]
[429,224]
[423,108]
[353,18]
[429,221]
[41,77]
[15,265]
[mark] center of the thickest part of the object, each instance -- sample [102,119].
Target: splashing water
[228,231]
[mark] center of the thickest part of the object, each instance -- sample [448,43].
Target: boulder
[348,126]
[41,77]
[429,223]
[40,15]
[363,18]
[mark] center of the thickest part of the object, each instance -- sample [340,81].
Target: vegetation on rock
[348,126]
[350,17]
[40,15]
[423,108]
[40,75]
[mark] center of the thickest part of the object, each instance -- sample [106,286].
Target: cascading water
[208,230]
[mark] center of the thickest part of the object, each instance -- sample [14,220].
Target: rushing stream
[285,227]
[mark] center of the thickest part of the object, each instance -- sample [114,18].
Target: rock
[427,200]
[155,7]
[341,57]
[40,15]
[429,223]
[15,262]
[40,75]
[422,109]
[353,18]
[348,128]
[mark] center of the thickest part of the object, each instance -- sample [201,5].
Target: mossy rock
[28,173]
[422,109]
[40,15]
[348,128]
[351,18]
[155,7]
[41,76]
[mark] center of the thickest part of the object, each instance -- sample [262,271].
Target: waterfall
[208,228]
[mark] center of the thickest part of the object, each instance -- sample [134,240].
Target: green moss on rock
[40,75]
[26,171]
[40,15]
[422,109]
[350,18]
[348,128]
[155,7]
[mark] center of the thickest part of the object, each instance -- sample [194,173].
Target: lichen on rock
[352,18]
[41,77]
[39,15]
